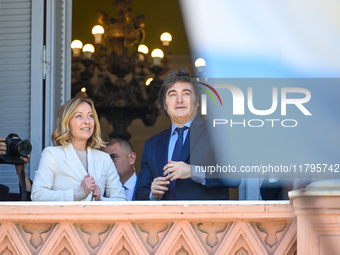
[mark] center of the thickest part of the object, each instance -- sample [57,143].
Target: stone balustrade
[219,227]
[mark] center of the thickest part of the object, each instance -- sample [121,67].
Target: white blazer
[61,172]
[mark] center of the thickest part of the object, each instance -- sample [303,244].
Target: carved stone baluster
[152,230]
[64,252]
[182,251]
[241,251]
[212,229]
[271,229]
[36,230]
[6,251]
[123,251]
[94,232]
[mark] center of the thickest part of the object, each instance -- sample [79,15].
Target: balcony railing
[148,228]
[308,224]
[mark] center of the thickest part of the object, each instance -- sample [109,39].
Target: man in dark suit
[124,158]
[169,157]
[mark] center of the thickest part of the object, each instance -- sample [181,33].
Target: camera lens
[24,147]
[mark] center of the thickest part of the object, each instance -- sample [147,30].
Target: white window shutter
[29,103]
[15,76]
[58,60]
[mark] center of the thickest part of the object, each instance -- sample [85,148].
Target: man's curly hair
[174,76]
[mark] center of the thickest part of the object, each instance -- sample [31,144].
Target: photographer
[4,190]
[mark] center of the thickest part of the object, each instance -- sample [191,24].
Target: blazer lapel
[73,161]
[162,154]
[95,166]
[196,129]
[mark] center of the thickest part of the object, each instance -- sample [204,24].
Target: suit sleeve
[221,179]
[222,182]
[204,155]
[145,176]
[113,187]
[43,180]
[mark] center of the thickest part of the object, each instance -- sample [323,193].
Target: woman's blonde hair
[61,134]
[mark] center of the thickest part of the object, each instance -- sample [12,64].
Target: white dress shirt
[129,186]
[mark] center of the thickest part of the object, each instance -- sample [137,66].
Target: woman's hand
[88,184]
[96,193]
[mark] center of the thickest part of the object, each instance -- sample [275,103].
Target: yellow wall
[161,16]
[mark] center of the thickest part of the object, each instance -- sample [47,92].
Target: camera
[15,148]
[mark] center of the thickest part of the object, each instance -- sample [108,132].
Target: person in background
[5,195]
[124,158]
[165,165]
[75,169]
[278,188]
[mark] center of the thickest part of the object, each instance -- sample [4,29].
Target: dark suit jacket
[134,192]
[155,156]
[5,195]
[276,190]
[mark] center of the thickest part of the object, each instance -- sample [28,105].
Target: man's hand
[88,184]
[177,170]
[2,146]
[19,168]
[159,187]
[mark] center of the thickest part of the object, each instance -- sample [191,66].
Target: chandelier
[117,73]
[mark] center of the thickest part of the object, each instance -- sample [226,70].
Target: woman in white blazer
[75,169]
